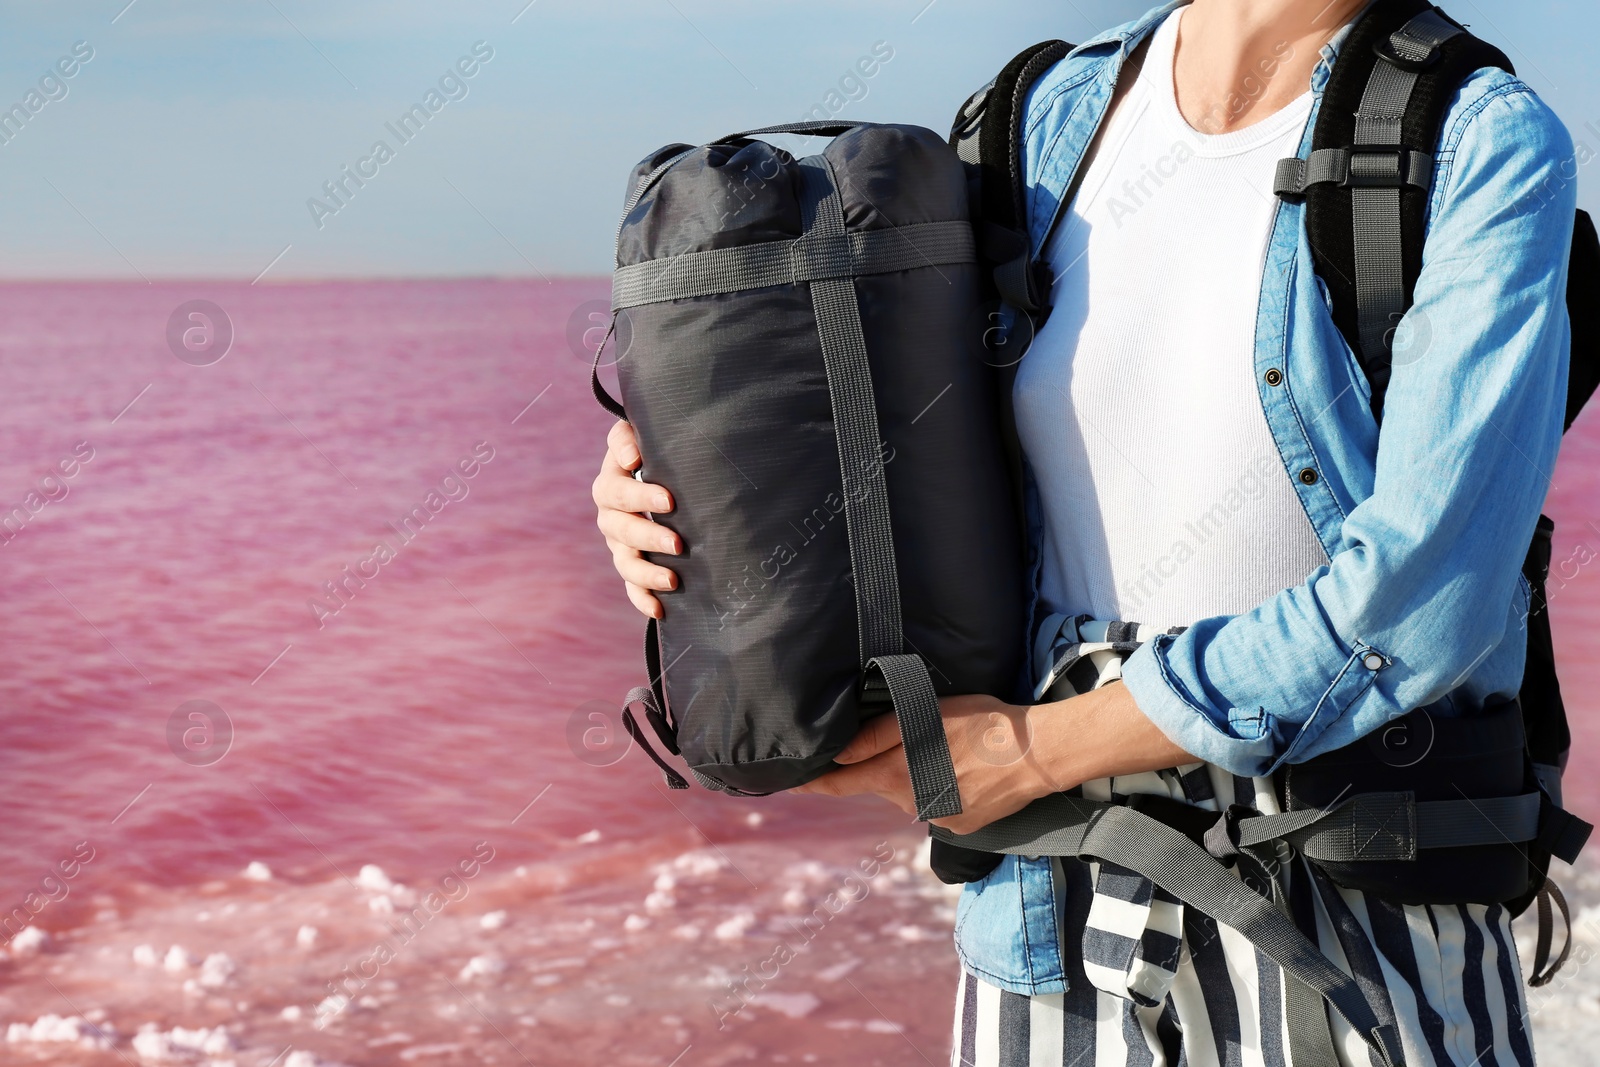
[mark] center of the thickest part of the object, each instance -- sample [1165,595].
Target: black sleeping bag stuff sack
[798,344]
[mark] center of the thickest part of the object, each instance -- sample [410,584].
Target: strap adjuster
[1377,166]
[1416,46]
[1371,165]
[1385,50]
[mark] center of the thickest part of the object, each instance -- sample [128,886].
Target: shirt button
[1274,376]
[1372,661]
[1309,476]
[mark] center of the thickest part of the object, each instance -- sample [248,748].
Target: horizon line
[306,279]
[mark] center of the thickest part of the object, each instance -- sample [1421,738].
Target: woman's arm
[1423,588]
[1006,756]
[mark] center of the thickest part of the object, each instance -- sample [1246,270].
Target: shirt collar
[1130,33]
[1329,54]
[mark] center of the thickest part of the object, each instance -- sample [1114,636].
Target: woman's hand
[989,745]
[623,502]
[1006,756]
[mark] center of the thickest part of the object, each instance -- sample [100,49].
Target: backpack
[797,370]
[1365,188]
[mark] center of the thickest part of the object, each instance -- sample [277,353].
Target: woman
[1207,466]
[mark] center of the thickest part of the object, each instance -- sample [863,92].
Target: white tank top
[1165,500]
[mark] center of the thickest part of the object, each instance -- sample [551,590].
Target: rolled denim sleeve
[1423,587]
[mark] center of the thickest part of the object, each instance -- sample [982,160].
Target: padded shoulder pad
[988,131]
[1329,207]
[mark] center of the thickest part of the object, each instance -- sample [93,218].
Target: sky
[190,140]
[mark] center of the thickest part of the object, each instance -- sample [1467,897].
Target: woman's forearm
[1006,756]
[1096,735]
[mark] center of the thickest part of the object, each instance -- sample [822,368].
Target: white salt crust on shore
[250,977]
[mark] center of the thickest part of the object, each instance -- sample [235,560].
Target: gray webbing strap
[855,421]
[1305,1012]
[866,508]
[803,128]
[1054,825]
[1380,278]
[1310,1038]
[966,132]
[1367,827]
[1494,821]
[1394,826]
[916,707]
[1333,166]
[810,258]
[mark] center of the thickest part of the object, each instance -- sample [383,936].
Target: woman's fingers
[637,532]
[640,572]
[885,775]
[647,604]
[623,445]
[878,734]
[622,502]
[617,490]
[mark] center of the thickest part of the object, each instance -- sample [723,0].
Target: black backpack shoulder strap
[1583,307]
[1366,181]
[1365,185]
[988,136]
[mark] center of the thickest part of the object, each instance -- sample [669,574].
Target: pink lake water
[440,718]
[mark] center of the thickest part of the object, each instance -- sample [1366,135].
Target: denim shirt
[1422,603]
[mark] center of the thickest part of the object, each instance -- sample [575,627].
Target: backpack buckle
[1376,165]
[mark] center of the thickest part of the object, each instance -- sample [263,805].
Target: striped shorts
[1153,984]
[1446,975]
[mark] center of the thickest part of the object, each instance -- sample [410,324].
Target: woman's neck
[1238,61]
